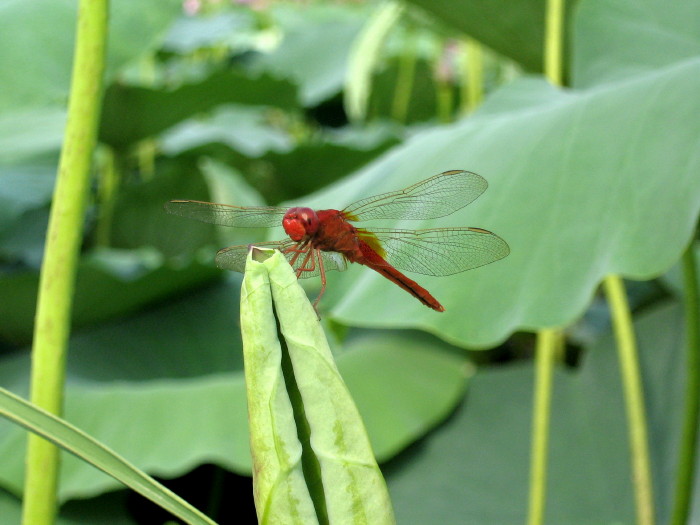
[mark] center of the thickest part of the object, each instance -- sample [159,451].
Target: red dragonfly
[325,240]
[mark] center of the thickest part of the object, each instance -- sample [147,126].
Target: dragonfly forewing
[225,215]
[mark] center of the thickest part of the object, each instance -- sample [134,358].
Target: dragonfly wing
[435,197]
[438,251]
[225,215]
[331,261]
[234,257]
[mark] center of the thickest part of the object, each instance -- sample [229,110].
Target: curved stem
[548,343]
[63,240]
[688,448]
[634,398]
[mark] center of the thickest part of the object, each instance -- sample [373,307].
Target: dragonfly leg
[308,264]
[303,266]
[322,270]
[297,250]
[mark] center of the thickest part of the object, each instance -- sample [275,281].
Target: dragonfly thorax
[300,223]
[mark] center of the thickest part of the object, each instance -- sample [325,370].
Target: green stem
[553,42]
[146,149]
[107,188]
[548,341]
[445,101]
[473,76]
[63,240]
[444,96]
[634,398]
[404,80]
[686,462]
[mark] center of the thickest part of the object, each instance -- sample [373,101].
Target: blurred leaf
[132,113]
[475,468]
[620,39]
[323,161]
[279,175]
[404,384]
[673,279]
[45,30]
[364,58]
[25,194]
[192,33]
[110,283]
[23,243]
[140,219]
[315,47]
[27,133]
[514,29]
[108,509]
[23,188]
[105,510]
[422,106]
[11,509]
[226,184]
[242,128]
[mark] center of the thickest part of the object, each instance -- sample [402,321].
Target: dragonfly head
[300,223]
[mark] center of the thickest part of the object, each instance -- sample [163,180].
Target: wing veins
[439,251]
[432,198]
[234,257]
[226,214]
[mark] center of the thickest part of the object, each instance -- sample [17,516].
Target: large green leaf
[582,184]
[403,383]
[110,282]
[176,373]
[621,38]
[37,41]
[475,468]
